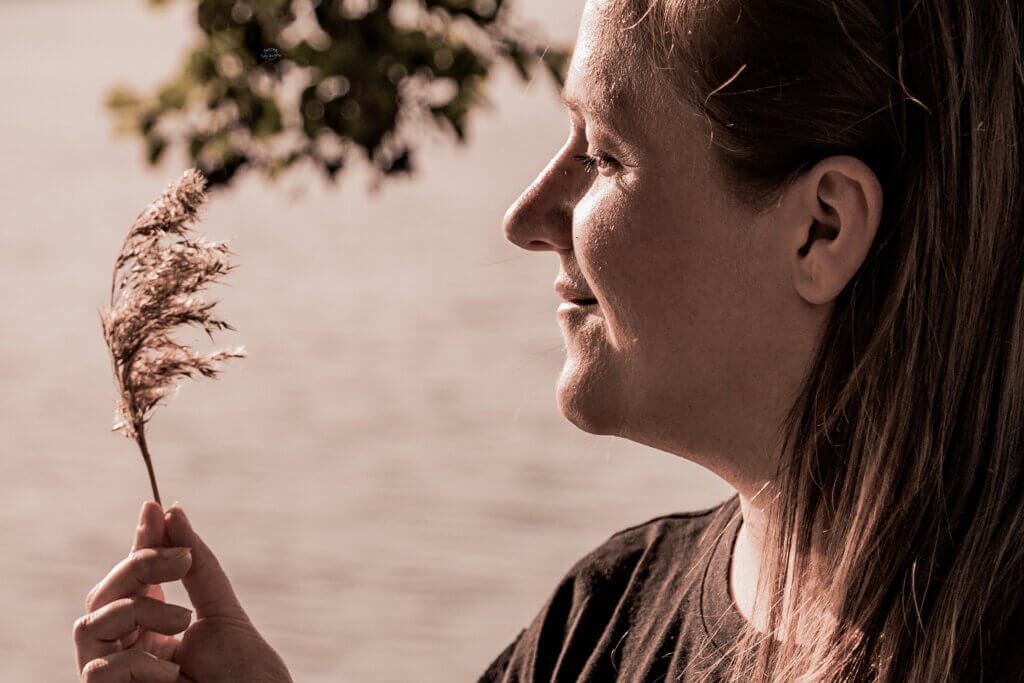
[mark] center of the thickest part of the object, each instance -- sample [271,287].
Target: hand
[222,646]
[127,634]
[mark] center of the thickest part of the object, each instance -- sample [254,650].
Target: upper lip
[571,292]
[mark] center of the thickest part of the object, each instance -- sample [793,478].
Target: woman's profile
[791,248]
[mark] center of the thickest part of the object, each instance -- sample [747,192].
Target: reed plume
[156,284]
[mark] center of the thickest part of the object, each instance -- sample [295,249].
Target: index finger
[134,574]
[150,531]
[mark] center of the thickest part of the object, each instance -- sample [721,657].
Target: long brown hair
[905,444]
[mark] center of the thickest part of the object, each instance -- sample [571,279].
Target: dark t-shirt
[649,604]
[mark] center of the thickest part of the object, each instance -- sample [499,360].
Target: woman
[801,226]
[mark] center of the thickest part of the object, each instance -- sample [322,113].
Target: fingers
[148,534]
[150,531]
[134,574]
[130,666]
[103,632]
[208,587]
[156,591]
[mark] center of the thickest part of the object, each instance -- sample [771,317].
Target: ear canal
[818,231]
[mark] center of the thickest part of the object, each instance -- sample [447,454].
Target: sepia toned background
[386,478]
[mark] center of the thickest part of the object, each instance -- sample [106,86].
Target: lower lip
[570,309]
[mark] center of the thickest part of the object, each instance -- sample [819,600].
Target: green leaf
[122,97]
[266,117]
[361,58]
[155,147]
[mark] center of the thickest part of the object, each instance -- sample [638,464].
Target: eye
[598,162]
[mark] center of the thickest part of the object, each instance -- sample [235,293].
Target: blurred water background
[386,478]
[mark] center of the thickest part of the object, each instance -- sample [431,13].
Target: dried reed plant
[162,272]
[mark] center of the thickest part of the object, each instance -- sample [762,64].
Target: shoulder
[675,533]
[600,591]
[677,521]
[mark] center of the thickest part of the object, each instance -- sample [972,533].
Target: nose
[541,219]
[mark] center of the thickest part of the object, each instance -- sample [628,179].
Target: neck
[746,562]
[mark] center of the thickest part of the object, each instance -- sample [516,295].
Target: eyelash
[593,163]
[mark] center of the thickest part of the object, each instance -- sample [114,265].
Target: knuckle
[139,565]
[93,669]
[82,625]
[90,599]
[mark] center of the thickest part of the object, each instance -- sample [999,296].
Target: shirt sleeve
[561,638]
[536,650]
[496,671]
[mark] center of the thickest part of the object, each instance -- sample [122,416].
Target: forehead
[614,83]
[605,78]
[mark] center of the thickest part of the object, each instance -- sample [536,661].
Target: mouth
[579,308]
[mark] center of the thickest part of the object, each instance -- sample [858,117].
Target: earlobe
[839,208]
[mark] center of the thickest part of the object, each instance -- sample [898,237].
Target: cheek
[604,224]
[631,247]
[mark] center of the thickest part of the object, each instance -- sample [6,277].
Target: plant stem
[141,440]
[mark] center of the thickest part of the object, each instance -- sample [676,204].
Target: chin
[589,398]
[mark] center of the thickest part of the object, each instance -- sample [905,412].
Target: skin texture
[708,313]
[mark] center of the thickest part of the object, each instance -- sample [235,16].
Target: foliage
[370,74]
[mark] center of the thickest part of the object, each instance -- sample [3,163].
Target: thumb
[207,585]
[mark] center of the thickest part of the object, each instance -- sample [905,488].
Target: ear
[837,208]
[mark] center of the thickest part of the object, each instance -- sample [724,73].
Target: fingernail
[176,507]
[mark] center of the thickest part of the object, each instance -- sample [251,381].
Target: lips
[573,293]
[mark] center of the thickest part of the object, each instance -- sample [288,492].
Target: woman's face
[698,339]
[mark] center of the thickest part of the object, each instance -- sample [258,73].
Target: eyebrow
[575,104]
[569,102]
[610,114]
